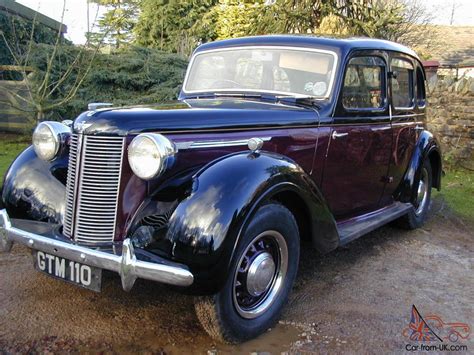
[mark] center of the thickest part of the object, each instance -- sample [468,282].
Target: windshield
[284,71]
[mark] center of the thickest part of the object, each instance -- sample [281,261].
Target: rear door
[407,115]
[361,139]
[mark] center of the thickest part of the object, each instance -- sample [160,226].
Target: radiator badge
[81,126]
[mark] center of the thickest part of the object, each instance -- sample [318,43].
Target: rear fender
[427,147]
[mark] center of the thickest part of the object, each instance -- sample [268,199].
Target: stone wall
[450,116]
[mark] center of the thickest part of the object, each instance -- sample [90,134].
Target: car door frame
[407,124]
[343,118]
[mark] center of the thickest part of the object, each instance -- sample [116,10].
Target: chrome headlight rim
[58,131]
[165,149]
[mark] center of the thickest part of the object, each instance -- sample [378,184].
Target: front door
[361,139]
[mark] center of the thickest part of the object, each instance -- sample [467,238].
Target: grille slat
[99,231]
[92,188]
[94,210]
[70,186]
[94,184]
[93,239]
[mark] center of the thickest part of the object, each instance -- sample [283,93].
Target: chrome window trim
[303,49]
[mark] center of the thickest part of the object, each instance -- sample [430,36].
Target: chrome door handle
[419,128]
[338,135]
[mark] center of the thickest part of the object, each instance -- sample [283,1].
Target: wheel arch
[34,189]
[427,147]
[297,206]
[434,156]
[315,221]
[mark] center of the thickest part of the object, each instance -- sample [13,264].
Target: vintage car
[273,139]
[448,331]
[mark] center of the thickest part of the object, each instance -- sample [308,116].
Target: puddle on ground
[279,339]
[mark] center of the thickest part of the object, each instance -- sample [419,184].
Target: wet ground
[356,299]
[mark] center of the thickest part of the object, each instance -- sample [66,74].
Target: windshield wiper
[238,95]
[298,100]
[284,99]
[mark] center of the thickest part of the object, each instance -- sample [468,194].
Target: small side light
[255,144]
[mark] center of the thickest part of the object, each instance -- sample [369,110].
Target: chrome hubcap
[260,274]
[422,195]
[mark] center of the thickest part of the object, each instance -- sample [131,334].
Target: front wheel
[416,217]
[262,274]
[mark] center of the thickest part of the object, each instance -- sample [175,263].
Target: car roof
[344,45]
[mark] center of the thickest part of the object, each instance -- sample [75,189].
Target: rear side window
[402,83]
[420,88]
[364,83]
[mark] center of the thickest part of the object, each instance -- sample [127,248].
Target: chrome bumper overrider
[126,265]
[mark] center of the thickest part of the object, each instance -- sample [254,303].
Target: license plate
[71,271]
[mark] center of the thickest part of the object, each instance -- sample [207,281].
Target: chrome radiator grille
[92,188]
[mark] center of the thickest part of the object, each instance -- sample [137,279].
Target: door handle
[338,135]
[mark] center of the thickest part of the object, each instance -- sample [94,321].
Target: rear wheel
[416,217]
[262,274]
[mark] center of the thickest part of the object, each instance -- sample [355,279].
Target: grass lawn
[10,146]
[457,186]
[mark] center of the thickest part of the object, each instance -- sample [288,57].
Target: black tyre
[261,277]
[416,217]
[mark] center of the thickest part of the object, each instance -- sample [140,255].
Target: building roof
[14,8]
[431,64]
[341,45]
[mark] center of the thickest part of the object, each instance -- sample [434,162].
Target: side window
[420,88]
[364,83]
[402,83]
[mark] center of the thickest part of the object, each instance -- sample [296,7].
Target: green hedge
[133,76]
[128,77]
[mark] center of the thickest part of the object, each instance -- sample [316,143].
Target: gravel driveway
[355,299]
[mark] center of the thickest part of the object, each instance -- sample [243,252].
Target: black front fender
[34,189]
[205,227]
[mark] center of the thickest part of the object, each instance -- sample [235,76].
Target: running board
[356,227]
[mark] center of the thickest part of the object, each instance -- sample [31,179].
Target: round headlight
[47,139]
[150,155]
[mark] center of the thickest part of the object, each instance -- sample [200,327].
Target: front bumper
[127,265]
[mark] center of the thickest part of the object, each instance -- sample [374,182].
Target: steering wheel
[222,84]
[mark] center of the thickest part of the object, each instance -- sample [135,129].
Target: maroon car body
[342,164]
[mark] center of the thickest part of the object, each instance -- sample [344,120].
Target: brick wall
[450,116]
